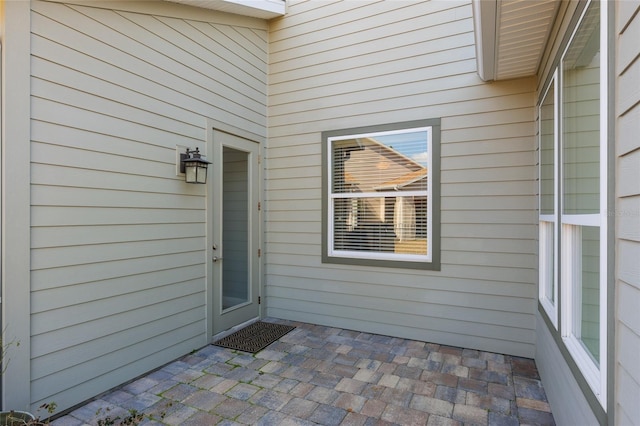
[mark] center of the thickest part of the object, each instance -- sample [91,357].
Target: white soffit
[263,9]
[511,36]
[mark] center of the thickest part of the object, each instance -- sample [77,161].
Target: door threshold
[234,329]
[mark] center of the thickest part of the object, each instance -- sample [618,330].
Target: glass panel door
[233,231]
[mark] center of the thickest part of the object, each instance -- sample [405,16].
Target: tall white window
[573,198]
[547,220]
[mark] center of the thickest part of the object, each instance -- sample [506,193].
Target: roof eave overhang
[484,19]
[511,36]
[263,9]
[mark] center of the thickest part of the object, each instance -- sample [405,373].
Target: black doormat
[254,337]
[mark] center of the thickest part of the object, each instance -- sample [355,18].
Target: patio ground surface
[330,376]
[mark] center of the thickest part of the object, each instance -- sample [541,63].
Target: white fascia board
[263,9]
[485,21]
[275,7]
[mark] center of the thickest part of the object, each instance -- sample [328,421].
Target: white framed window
[379,194]
[573,227]
[548,201]
[583,158]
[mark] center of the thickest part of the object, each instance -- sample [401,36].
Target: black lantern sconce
[193,166]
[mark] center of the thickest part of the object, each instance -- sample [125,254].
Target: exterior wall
[118,252]
[627,373]
[15,128]
[350,64]
[568,404]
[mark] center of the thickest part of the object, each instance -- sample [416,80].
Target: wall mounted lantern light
[194,166]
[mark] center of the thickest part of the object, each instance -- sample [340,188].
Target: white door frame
[215,177]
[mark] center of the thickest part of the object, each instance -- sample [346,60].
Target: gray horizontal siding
[118,273]
[365,63]
[627,211]
[568,403]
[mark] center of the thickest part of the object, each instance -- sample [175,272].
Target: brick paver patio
[329,376]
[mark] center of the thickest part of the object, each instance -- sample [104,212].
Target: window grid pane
[381,224]
[581,118]
[547,260]
[588,291]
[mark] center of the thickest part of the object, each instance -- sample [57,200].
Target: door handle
[216,258]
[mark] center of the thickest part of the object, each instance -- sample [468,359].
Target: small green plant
[4,347]
[20,418]
[134,418]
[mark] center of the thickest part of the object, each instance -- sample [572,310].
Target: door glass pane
[235,225]
[589,291]
[547,152]
[581,118]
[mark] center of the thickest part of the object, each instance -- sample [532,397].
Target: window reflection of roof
[404,180]
[372,141]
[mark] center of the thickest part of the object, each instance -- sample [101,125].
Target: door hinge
[259,300]
[259,159]
[259,252]
[259,206]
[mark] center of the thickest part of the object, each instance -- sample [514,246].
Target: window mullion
[379,194]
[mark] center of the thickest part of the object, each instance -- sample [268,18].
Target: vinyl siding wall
[568,403]
[627,211]
[336,65]
[118,240]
